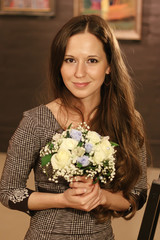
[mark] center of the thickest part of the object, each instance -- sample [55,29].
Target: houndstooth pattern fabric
[34,131]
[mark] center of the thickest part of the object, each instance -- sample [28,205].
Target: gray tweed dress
[34,131]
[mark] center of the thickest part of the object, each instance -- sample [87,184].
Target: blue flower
[88,147]
[75,134]
[83,160]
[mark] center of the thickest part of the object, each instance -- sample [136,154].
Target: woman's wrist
[41,201]
[105,199]
[115,201]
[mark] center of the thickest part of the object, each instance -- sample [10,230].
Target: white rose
[78,151]
[61,159]
[93,137]
[68,143]
[99,155]
[107,148]
[103,151]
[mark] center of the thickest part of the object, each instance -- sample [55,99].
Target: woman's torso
[57,222]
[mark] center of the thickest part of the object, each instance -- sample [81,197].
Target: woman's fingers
[82,198]
[80,185]
[83,179]
[78,191]
[82,182]
[91,200]
[94,197]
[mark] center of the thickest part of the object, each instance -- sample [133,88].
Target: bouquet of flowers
[78,152]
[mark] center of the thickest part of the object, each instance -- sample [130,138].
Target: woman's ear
[108,70]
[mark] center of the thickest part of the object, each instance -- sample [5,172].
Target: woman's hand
[83,194]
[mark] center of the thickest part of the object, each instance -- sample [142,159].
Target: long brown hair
[116,115]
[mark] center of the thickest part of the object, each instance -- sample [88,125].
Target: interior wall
[144,59]
[24,52]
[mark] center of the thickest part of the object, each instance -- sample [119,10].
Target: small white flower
[56,137]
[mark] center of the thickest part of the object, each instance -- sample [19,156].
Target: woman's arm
[82,198]
[89,196]
[83,195]
[71,198]
[21,157]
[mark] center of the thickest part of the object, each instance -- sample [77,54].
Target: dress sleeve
[139,192]
[21,156]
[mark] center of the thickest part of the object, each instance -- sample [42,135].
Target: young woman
[90,83]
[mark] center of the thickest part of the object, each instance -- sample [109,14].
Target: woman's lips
[81,85]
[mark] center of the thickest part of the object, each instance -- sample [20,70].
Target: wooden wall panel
[24,51]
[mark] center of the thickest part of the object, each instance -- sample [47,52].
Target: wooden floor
[14,224]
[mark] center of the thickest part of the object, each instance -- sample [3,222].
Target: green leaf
[46,159]
[114,144]
[51,145]
[96,180]
[79,165]
[67,135]
[69,126]
[106,163]
[80,144]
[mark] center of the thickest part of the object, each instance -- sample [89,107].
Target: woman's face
[84,66]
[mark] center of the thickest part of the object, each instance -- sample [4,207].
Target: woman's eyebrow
[69,55]
[93,55]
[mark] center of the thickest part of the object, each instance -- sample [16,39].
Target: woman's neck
[80,110]
[87,108]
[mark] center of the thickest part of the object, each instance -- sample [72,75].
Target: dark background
[24,52]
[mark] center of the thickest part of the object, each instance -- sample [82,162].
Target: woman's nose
[80,70]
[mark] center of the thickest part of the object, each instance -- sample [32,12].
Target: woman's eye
[69,60]
[92,60]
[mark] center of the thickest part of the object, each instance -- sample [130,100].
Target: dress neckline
[52,116]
